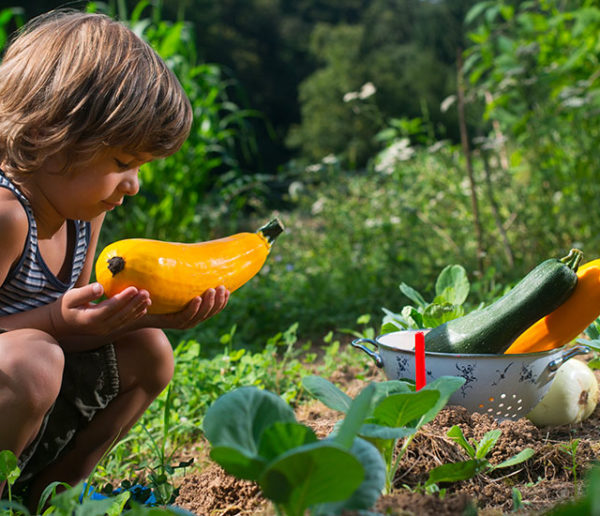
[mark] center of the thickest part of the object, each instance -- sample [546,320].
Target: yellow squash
[569,320]
[174,273]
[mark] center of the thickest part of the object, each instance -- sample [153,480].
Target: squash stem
[573,259]
[116,264]
[271,230]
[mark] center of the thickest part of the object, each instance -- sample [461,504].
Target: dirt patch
[543,481]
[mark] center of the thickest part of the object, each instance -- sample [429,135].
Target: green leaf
[487,443]
[445,386]
[389,387]
[7,505]
[315,473]
[327,393]
[355,417]
[392,326]
[517,499]
[456,471]
[281,437]
[238,462]
[9,470]
[369,490]
[439,312]
[477,10]
[594,363]
[398,410]
[363,319]
[456,434]
[374,431]
[415,318]
[237,419]
[172,40]
[413,295]
[522,456]
[452,285]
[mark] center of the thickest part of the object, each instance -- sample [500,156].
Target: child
[83,104]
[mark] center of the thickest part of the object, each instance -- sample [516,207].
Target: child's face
[85,191]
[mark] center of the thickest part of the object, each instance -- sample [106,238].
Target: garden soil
[545,480]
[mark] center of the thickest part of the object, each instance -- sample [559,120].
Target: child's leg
[145,363]
[31,366]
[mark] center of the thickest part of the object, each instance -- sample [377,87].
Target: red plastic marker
[420,378]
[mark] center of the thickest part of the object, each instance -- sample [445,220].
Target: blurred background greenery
[392,137]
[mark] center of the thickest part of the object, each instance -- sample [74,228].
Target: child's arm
[14,227]
[73,314]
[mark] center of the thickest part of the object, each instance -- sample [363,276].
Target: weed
[570,449]
[396,412]
[477,462]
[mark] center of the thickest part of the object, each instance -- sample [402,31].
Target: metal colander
[503,386]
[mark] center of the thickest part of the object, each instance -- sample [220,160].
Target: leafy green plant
[9,473]
[396,412]
[477,462]
[264,443]
[73,500]
[367,332]
[592,332]
[570,449]
[451,291]
[200,379]
[164,489]
[549,46]
[7,16]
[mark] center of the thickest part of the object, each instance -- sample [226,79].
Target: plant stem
[401,453]
[271,229]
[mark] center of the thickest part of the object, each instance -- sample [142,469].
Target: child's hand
[74,312]
[197,310]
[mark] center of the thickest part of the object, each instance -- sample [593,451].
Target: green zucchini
[494,328]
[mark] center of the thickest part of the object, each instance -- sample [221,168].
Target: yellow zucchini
[174,273]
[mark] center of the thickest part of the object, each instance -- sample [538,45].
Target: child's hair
[78,83]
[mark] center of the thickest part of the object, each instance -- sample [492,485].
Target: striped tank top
[30,283]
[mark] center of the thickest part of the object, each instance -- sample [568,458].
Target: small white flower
[317,206]
[557,196]
[447,103]
[367,90]
[330,159]
[398,151]
[295,188]
[436,146]
[350,96]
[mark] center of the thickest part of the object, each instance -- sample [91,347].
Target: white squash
[572,397]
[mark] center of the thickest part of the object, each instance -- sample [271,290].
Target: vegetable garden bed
[553,475]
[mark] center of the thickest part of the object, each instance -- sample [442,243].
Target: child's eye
[121,165]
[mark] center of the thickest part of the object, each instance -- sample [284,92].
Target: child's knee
[148,360]
[160,354]
[36,363]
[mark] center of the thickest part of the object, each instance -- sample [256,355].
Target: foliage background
[343,118]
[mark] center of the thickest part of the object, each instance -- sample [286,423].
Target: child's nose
[131,183]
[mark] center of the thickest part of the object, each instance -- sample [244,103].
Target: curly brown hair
[78,83]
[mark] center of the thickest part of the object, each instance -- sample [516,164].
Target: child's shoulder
[14,224]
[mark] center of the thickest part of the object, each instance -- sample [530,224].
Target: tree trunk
[496,211]
[464,138]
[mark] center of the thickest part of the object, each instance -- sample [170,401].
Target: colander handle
[357,343]
[570,353]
